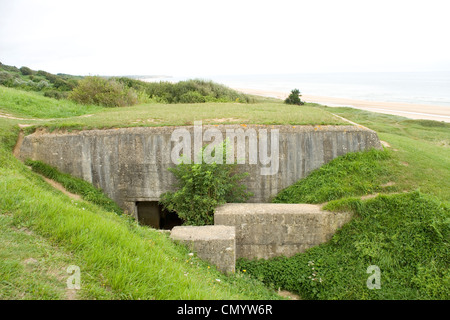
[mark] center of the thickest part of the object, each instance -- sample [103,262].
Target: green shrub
[26,71]
[102,92]
[27,79]
[201,188]
[56,94]
[192,97]
[294,98]
[11,69]
[189,91]
[41,85]
[6,79]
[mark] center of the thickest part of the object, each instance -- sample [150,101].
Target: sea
[432,88]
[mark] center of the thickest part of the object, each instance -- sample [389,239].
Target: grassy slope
[420,149]
[406,234]
[31,104]
[360,173]
[30,267]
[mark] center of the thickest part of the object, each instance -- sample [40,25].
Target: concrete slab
[215,244]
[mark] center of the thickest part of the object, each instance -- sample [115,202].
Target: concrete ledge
[266,230]
[215,244]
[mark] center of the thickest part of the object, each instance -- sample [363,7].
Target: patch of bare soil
[221,120]
[18,144]
[289,295]
[61,188]
[149,120]
[8,116]
[369,196]
[388,184]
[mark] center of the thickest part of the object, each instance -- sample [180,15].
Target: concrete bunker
[131,166]
[152,214]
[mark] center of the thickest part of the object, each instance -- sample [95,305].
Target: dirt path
[61,188]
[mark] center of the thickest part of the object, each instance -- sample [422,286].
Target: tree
[26,71]
[294,98]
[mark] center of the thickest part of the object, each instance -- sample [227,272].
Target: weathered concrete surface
[266,230]
[130,164]
[215,244]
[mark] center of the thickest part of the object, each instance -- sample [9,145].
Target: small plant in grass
[201,188]
[294,98]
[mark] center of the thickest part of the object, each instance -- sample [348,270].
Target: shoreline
[407,110]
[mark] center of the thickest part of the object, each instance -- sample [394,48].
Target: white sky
[215,37]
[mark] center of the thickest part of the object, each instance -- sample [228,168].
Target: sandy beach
[408,110]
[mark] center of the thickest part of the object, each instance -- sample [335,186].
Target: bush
[55,94]
[102,92]
[6,79]
[9,68]
[201,188]
[294,98]
[189,91]
[192,97]
[26,71]
[42,85]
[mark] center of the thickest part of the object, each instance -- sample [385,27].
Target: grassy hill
[406,233]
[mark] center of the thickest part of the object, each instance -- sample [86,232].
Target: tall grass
[30,266]
[118,258]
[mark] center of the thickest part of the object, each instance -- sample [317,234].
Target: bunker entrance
[152,214]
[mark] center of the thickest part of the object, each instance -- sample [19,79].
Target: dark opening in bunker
[152,214]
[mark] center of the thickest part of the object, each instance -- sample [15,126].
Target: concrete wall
[266,230]
[130,164]
[216,244]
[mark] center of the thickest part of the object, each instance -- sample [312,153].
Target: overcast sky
[215,37]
